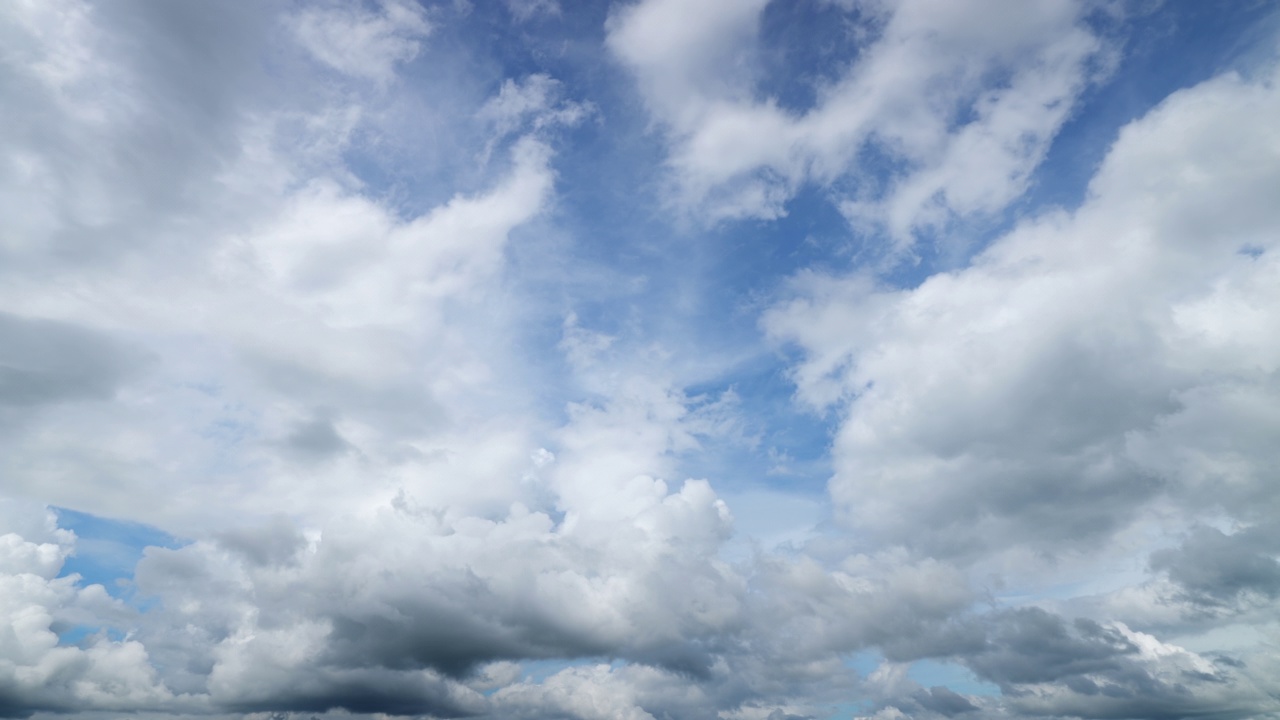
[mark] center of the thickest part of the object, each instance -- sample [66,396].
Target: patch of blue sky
[806,46]
[782,445]
[753,257]
[473,49]
[1178,45]
[537,671]
[670,288]
[86,635]
[772,520]
[864,662]
[928,673]
[107,550]
[644,281]
[935,673]
[1098,582]
[610,184]
[712,286]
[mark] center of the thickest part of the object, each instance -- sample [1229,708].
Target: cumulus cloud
[391,612]
[1034,398]
[268,303]
[37,672]
[298,286]
[919,93]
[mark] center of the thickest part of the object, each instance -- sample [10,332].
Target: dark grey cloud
[1035,646]
[1213,568]
[944,701]
[453,627]
[316,439]
[355,620]
[935,703]
[276,543]
[46,361]
[370,690]
[1045,664]
[401,405]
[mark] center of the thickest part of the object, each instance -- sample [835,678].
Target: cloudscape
[639,359]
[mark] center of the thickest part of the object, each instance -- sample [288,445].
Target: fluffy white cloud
[253,297]
[1087,369]
[920,93]
[300,334]
[360,42]
[37,672]
[407,599]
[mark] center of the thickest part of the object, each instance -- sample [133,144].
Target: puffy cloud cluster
[294,330]
[36,671]
[1087,368]
[412,602]
[1093,381]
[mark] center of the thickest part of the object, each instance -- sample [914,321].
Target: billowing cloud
[528,360]
[36,671]
[1042,398]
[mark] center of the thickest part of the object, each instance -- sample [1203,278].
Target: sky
[640,360]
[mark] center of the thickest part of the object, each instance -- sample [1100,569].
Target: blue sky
[744,359]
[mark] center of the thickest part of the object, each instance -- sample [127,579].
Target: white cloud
[1084,366]
[534,100]
[332,303]
[360,42]
[736,155]
[596,692]
[415,584]
[36,671]
[254,298]
[268,297]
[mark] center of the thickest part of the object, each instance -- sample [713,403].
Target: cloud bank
[643,360]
